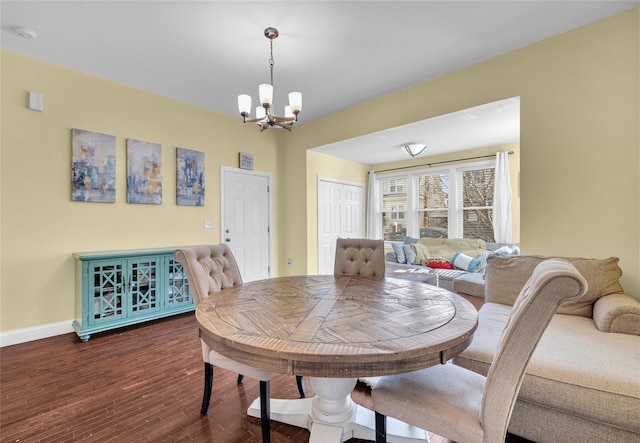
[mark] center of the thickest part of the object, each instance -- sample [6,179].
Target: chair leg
[300,382]
[240,377]
[381,428]
[208,385]
[265,410]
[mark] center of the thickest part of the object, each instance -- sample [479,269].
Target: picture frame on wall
[189,177]
[93,166]
[246,161]
[144,172]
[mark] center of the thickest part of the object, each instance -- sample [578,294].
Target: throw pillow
[439,264]
[464,262]
[399,250]
[482,266]
[504,250]
[410,240]
[410,254]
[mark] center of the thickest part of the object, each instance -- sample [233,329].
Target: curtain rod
[438,163]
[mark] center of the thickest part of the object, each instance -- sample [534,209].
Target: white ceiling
[487,125]
[337,53]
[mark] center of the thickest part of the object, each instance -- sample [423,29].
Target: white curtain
[502,200]
[374,216]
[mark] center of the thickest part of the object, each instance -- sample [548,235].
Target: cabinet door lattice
[107,290]
[179,293]
[143,285]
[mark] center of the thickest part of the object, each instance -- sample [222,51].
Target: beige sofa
[583,381]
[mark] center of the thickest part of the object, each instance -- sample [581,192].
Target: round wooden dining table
[335,330]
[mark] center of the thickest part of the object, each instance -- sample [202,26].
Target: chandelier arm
[283,119]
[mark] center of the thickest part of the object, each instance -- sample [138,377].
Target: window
[394,203]
[452,202]
[433,205]
[477,203]
[396,186]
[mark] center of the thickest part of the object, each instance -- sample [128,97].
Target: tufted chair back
[209,269]
[359,256]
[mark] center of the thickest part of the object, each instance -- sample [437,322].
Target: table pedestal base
[332,416]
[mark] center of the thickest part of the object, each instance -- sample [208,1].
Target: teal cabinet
[120,288]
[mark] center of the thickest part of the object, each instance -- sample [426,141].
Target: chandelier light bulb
[244,104]
[295,101]
[266,94]
[288,113]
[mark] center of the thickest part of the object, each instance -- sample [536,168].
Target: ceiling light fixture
[26,33]
[264,118]
[414,149]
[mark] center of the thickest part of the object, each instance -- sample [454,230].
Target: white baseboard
[35,333]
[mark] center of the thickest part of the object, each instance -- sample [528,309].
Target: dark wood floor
[136,384]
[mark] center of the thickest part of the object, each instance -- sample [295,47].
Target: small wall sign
[246,161]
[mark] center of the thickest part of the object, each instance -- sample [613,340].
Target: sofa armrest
[619,313]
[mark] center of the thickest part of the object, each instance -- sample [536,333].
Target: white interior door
[246,220]
[340,214]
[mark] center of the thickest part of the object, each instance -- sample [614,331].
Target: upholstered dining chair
[462,405]
[359,256]
[210,269]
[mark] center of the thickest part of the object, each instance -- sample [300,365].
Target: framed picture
[189,177]
[144,172]
[246,161]
[93,167]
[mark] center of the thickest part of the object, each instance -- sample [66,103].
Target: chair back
[553,281]
[209,269]
[359,256]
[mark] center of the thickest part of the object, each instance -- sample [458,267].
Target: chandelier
[264,118]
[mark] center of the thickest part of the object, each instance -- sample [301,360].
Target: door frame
[267,175]
[339,182]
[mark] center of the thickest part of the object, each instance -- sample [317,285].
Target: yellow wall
[42,227]
[579,147]
[579,161]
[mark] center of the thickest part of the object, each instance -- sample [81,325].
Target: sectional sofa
[439,252]
[583,381]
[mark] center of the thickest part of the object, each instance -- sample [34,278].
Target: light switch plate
[208,224]
[35,101]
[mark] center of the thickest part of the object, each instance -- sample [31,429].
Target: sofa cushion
[506,275]
[471,283]
[576,368]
